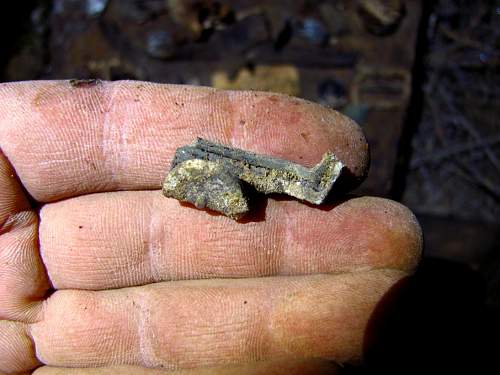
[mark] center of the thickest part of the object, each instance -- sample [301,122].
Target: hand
[98,269]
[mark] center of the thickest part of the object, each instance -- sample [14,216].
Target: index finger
[66,140]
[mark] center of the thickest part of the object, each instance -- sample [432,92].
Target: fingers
[12,198]
[65,141]
[288,367]
[23,281]
[120,239]
[17,352]
[187,324]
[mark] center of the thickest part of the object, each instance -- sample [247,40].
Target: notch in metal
[208,174]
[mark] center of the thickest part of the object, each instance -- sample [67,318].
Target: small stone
[313,30]
[160,44]
[95,7]
[332,93]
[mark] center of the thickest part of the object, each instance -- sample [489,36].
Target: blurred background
[421,78]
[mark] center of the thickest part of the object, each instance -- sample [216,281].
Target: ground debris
[84,82]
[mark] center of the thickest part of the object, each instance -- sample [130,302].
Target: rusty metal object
[210,175]
[284,79]
[386,88]
[381,17]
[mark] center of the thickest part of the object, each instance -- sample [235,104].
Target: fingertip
[349,144]
[397,235]
[298,130]
[412,232]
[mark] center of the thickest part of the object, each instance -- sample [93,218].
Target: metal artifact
[214,176]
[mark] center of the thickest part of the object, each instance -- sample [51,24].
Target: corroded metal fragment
[207,174]
[206,184]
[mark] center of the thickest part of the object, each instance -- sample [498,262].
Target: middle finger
[120,239]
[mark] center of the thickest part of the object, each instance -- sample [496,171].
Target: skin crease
[288,367]
[111,254]
[23,279]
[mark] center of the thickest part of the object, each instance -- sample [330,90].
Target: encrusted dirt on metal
[210,175]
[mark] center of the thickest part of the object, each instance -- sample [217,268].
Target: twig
[451,151]
[469,127]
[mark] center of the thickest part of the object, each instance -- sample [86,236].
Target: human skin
[101,273]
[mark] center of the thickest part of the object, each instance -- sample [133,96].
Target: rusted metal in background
[355,56]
